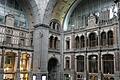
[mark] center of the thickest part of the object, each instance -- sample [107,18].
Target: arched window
[54,25]
[58,27]
[108,64]
[110,38]
[67,43]
[51,42]
[67,63]
[103,39]
[77,42]
[93,63]
[82,41]
[92,40]
[56,42]
[80,63]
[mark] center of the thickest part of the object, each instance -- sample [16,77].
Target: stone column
[18,65]
[40,61]
[73,66]
[88,42]
[117,53]
[100,74]
[2,64]
[117,66]
[86,76]
[115,42]
[62,56]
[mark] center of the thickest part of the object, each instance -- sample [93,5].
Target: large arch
[52,68]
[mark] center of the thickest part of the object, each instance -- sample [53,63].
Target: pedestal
[40,75]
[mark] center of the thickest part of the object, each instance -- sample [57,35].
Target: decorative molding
[41,25]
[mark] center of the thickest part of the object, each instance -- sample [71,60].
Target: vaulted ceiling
[61,9]
[45,10]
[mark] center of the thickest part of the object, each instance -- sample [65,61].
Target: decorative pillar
[88,41]
[40,61]
[62,56]
[29,66]
[73,67]
[86,76]
[100,77]
[18,65]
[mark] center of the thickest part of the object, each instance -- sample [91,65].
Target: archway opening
[52,69]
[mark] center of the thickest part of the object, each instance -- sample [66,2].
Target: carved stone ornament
[91,21]
[40,34]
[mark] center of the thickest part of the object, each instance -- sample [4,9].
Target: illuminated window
[93,63]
